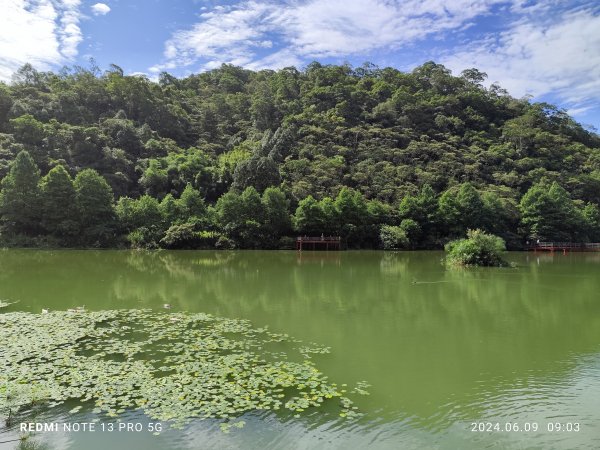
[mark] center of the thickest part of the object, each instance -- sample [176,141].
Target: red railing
[578,246]
[318,239]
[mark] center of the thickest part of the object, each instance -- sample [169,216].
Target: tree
[58,204]
[353,215]
[330,216]
[591,215]
[228,162]
[191,202]
[461,208]
[548,213]
[241,216]
[95,206]
[474,76]
[520,132]
[412,231]
[478,249]
[309,217]
[471,207]
[155,179]
[259,172]
[412,141]
[449,212]
[276,208]
[501,217]
[422,209]
[170,209]
[393,237]
[185,236]
[229,208]
[142,218]
[19,198]
[6,103]
[30,132]
[136,213]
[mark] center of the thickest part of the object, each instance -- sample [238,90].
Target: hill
[238,158]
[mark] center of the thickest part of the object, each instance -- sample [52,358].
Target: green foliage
[478,249]
[28,130]
[144,211]
[393,237]
[250,221]
[58,204]
[422,209]
[351,209]
[143,219]
[309,218]
[548,213]
[276,212]
[19,197]
[144,237]
[349,215]
[461,208]
[241,217]
[94,199]
[170,209]
[192,203]
[351,149]
[411,229]
[185,236]
[200,366]
[258,172]
[229,161]
[155,179]
[591,217]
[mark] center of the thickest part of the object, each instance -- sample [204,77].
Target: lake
[445,351]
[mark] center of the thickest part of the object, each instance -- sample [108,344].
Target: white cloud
[557,54]
[100,9]
[277,60]
[312,29]
[340,27]
[223,35]
[40,32]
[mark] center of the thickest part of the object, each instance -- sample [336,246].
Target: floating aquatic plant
[173,366]
[5,304]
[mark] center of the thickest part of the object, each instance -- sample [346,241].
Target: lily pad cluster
[5,304]
[176,367]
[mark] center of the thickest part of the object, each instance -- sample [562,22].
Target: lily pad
[6,304]
[176,367]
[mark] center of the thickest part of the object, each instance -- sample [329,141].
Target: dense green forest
[233,158]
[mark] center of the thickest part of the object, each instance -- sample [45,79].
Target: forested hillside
[234,158]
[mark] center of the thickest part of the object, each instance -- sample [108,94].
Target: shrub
[286,243]
[224,243]
[393,237]
[478,249]
[185,236]
[144,238]
[412,230]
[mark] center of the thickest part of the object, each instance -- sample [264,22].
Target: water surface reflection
[440,347]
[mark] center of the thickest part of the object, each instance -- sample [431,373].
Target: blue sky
[549,49]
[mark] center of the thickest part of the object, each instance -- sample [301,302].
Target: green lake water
[441,348]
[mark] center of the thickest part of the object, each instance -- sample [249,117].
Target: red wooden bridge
[565,247]
[318,243]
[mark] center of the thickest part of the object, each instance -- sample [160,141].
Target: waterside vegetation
[478,249]
[233,158]
[174,366]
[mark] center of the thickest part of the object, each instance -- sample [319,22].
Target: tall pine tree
[19,198]
[58,206]
[94,199]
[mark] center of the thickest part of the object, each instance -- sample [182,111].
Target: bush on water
[478,249]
